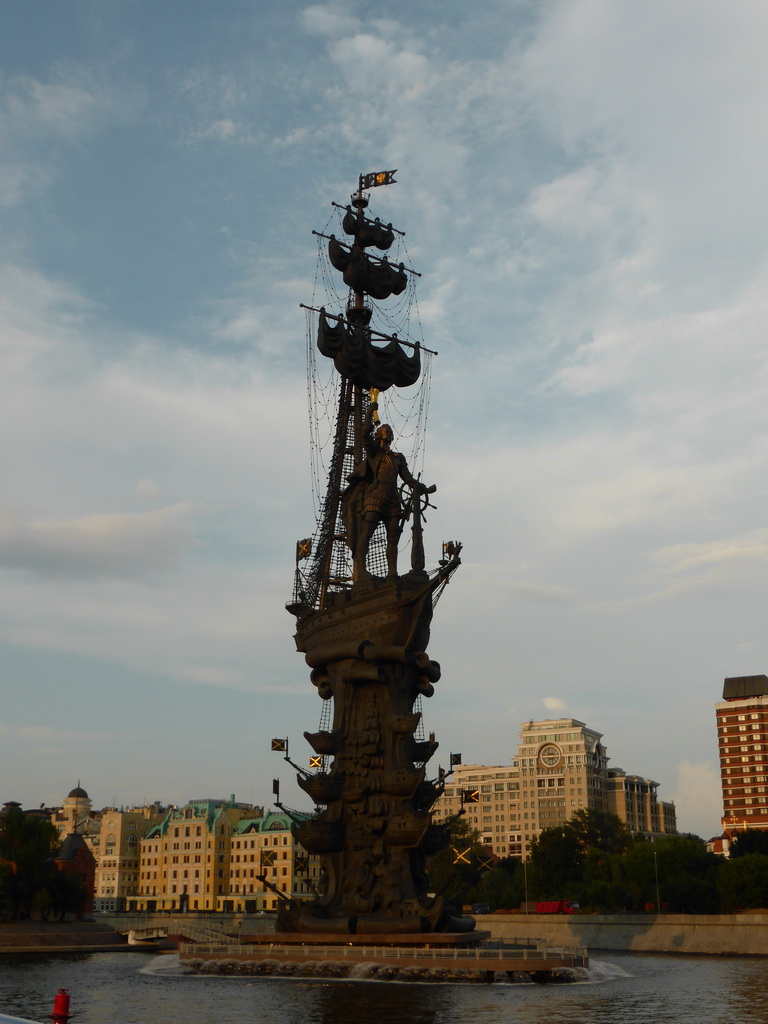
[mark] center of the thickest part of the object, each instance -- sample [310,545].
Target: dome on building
[78,793]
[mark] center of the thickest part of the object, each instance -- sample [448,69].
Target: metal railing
[571,955]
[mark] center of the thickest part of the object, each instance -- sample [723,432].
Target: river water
[143,988]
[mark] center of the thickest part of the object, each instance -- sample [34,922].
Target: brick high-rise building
[742,736]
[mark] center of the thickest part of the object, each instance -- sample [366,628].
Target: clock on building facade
[549,755]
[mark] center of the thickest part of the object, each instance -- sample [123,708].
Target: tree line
[593,860]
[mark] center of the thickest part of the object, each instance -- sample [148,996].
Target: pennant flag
[377,178]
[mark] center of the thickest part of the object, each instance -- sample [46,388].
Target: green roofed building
[220,855]
[268,865]
[184,859]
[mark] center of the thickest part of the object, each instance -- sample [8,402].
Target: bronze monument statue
[364,629]
[372,497]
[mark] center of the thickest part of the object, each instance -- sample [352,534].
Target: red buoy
[61,1012]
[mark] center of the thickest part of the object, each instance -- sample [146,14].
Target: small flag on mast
[303,549]
[279,744]
[377,178]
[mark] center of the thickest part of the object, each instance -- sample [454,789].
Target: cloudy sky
[580,182]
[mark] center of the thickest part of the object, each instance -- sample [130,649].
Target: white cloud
[37,314]
[697,798]
[212,626]
[222,130]
[554,704]
[37,115]
[146,488]
[576,204]
[330,20]
[504,582]
[382,68]
[671,106]
[98,546]
[48,734]
[717,563]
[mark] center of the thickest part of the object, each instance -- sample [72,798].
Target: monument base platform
[306,957]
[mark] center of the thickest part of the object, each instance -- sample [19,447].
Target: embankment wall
[715,934]
[56,936]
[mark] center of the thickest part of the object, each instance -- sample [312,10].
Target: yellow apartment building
[266,847]
[116,847]
[185,859]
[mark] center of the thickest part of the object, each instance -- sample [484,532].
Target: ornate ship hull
[366,652]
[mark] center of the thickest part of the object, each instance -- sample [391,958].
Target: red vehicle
[556,907]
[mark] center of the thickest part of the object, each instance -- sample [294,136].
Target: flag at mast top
[377,178]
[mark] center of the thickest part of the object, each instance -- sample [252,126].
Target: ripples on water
[137,988]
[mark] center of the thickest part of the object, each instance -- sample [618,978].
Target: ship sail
[367,361]
[367,232]
[379,279]
[366,365]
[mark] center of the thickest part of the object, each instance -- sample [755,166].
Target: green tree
[559,854]
[456,868]
[750,841]
[742,883]
[686,873]
[29,843]
[603,885]
[600,830]
[502,887]
[556,863]
[6,895]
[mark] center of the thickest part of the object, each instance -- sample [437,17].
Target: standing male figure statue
[372,497]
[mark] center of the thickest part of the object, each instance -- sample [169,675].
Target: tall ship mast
[363,620]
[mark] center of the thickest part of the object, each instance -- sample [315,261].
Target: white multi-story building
[560,767]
